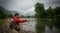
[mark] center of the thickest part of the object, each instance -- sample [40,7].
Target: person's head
[16,14]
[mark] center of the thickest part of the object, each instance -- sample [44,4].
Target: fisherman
[17,20]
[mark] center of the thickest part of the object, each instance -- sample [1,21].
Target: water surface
[42,25]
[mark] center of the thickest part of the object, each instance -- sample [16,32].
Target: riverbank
[27,26]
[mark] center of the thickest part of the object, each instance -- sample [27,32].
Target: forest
[41,12]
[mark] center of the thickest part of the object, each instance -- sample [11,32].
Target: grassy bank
[3,26]
[3,21]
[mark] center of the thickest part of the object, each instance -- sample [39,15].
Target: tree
[39,9]
[49,12]
[57,11]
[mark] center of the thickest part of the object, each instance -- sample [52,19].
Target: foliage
[3,13]
[46,13]
[39,9]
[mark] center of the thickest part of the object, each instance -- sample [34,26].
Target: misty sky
[26,7]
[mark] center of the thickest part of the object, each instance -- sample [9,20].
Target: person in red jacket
[17,20]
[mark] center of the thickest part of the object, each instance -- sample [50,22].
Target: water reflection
[48,25]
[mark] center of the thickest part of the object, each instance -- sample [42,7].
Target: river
[45,26]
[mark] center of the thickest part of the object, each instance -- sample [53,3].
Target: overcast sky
[26,7]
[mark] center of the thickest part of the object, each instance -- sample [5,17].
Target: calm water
[42,25]
[31,25]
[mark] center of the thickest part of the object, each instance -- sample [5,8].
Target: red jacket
[18,20]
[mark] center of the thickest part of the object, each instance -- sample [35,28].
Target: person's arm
[19,20]
[22,21]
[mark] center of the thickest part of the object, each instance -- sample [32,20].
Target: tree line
[41,12]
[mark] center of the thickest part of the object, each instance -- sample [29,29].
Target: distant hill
[11,12]
[7,11]
[4,13]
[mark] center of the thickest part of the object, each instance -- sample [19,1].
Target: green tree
[57,11]
[49,12]
[39,9]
